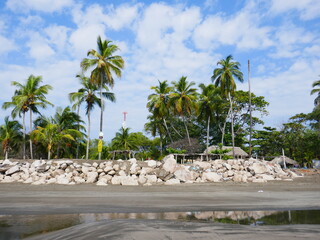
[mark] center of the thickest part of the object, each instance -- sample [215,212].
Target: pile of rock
[133,172]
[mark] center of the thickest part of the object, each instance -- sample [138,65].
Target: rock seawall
[133,172]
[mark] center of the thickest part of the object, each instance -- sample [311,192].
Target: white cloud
[58,35]
[6,45]
[241,30]
[48,6]
[122,16]
[39,48]
[308,9]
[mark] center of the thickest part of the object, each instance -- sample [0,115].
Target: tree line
[216,113]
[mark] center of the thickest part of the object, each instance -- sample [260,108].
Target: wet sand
[302,193]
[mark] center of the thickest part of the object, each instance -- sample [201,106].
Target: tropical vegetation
[211,113]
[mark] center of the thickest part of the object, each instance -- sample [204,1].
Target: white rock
[129,181]
[7,161]
[172,181]
[92,177]
[259,168]
[132,160]
[100,183]
[51,180]
[78,179]
[95,165]
[146,170]
[259,180]
[183,175]
[13,170]
[116,180]
[211,177]
[237,177]
[169,163]
[151,178]
[142,179]
[84,169]
[108,169]
[122,173]
[62,180]
[152,163]
[203,165]
[267,177]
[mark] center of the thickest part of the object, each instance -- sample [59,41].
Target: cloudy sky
[163,41]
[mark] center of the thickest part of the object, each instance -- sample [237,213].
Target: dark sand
[302,193]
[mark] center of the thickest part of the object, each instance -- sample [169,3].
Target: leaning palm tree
[316,89]
[29,97]
[105,63]
[51,137]
[206,106]
[87,94]
[158,103]
[10,135]
[183,100]
[223,77]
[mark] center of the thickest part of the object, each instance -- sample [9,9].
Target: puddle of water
[22,226]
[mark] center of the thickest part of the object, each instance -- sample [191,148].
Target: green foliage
[178,151]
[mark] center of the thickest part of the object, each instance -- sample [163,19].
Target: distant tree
[87,94]
[10,135]
[183,100]
[316,89]
[27,97]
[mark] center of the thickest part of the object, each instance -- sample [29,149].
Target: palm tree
[207,102]
[316,90]
[183,100]
[223,77]
[87,94]
[155,127]
[124,140]
[158,103]
[105,63]
[27,97]
[10,135]
[50,136]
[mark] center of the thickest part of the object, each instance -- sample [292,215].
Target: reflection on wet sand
[21,226]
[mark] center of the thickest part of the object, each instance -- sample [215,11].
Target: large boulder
[211,177]
[13,170]
[172,181]
[183,175]
[129,181]
[259,168]
[92,177]
[169,163]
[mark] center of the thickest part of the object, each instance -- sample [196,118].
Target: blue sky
[163,41]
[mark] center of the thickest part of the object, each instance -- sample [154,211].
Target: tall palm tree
[316,90]
[87,94]
[158,103]
[105,63]
[223,77]
[207,102]
[183,100]
[10,135]
[50,136]
[29,97]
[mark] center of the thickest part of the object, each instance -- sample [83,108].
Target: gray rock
[116,180]
[129,181]
[182,174]
[163,174]
[151,178]
[259,168]
[151,163]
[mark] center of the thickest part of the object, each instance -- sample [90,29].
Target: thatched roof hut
[183,144]
[280,160]
[238,152]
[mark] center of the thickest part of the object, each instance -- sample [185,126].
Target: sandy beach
[302,193]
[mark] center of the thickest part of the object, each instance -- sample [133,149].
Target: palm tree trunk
[88,140]
[24,134]
[185,125]
[31,152]
[165,125]
[223,130]
[232,127]
[101,114]
[175,130]
[6,154]
[78,143]
[208,138]
[49,155]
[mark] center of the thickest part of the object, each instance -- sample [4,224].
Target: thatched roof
[183,144]
[280,160]
[238,152]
